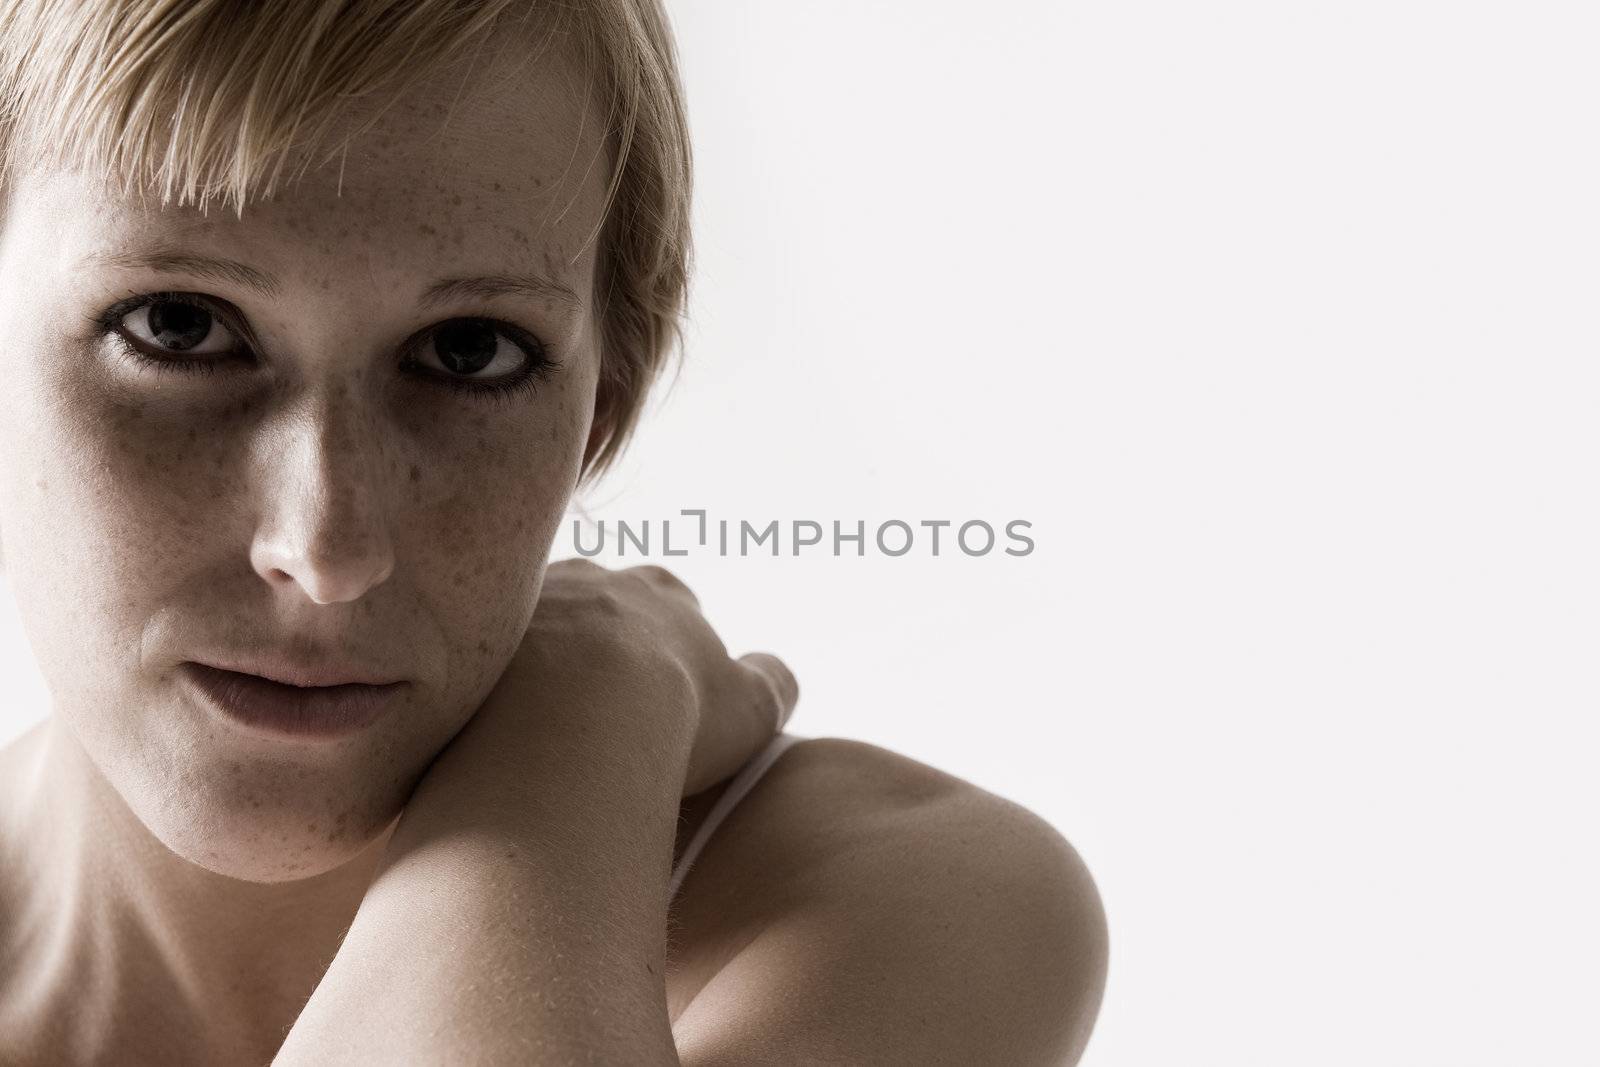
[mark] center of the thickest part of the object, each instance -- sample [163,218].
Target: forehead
[499,161]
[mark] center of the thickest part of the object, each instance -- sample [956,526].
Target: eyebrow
[443,291]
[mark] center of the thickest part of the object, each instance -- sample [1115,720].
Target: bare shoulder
[19,759]
[21,749]
[17,765]
[936,895]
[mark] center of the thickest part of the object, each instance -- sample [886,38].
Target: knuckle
[661,578]
[659,575]
[576,569]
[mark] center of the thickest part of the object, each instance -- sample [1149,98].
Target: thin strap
[741,784]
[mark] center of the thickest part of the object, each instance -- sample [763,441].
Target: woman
[320,785]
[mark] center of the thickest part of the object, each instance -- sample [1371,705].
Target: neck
[136,947]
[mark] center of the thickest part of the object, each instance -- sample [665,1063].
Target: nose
[324,519]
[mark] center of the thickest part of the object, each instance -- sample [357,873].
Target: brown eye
[464,347]
[178,326]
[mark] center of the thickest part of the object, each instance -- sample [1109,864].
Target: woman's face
[333,487]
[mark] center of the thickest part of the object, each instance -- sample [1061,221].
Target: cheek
[487,497]
[86,529]
[125,500]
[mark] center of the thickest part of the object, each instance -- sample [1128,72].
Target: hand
[603,624]
[618,666]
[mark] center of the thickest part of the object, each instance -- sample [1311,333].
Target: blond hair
[197,99]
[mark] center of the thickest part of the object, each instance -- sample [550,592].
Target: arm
[520,913]
[496,937]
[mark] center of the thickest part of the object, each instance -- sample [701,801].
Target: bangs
[211,99]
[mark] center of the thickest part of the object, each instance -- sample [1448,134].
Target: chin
[237,806]
[272,823]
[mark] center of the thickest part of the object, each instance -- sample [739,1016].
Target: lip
[275,708]
[296,672]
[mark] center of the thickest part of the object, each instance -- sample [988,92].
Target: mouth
[289,711]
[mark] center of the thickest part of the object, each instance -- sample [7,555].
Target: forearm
[522,925]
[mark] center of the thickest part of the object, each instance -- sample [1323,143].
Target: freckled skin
[316,492]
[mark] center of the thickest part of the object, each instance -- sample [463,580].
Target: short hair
[198,98]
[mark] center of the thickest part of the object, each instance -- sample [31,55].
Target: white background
[1278,323]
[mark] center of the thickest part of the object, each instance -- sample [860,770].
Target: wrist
[596,766]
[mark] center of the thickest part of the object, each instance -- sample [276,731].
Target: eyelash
[539,368]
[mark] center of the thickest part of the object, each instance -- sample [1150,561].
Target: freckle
[425,228]
[537,183]
[416,473]
[483,646]
[495,186]
[234,768]
[456,200]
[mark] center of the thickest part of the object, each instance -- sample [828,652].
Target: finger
[745,708]
[777,682]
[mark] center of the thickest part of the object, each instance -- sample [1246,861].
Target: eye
[463,348]
[466,347]
[182,332]
[179,325]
